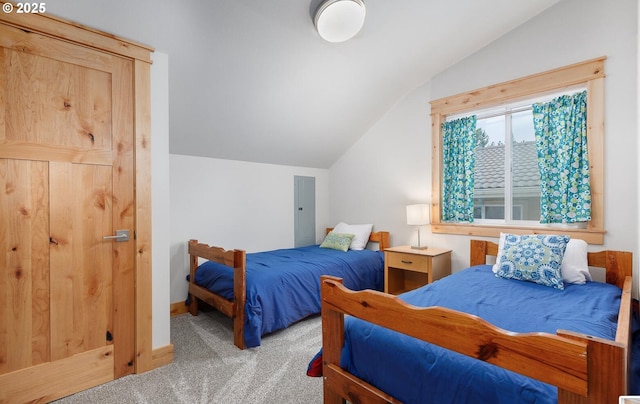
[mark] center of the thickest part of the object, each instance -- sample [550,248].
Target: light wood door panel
[24,276]
[54,93]
[67,141]
[81,265]
[52,380]
[50,102]
[56,99]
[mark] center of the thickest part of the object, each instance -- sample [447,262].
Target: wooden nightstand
[406,268]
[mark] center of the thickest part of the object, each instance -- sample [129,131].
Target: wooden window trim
[589,73]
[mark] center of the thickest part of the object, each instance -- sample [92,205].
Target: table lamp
[418,215]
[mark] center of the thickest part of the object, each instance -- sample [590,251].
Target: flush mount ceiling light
[339,20]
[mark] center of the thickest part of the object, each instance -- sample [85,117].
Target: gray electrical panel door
[304,210]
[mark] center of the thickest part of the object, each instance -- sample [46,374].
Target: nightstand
[407,268]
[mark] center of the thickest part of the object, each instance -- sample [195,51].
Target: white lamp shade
[418,215]
[339,20]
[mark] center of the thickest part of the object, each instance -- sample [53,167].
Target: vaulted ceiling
[252,80]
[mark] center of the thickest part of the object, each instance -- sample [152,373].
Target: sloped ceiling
[251,80]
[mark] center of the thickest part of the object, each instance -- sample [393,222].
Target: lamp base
[419,247]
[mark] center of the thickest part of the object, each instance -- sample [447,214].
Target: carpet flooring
[208,368]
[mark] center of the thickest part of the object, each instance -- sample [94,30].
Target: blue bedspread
[283,286]
[416,372]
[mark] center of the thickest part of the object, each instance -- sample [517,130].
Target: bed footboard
[231,308]
[577,364]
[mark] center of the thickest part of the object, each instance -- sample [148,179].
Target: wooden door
[66,180]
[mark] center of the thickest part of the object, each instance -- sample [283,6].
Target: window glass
[506,168]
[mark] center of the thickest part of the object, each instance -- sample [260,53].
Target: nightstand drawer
[411,262]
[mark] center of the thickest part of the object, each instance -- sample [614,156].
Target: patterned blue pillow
[337,241]
[533,258]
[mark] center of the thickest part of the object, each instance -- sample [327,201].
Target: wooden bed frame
[237,260]
[585,369]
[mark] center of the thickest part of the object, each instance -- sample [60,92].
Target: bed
[387,350]
[266,291]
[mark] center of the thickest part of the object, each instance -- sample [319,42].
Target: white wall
[160,198]
[562,35]
[386,170]
[235,204]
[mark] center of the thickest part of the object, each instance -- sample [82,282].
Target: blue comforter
[416,372]
[283,286]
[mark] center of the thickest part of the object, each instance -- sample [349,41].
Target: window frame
[589,73]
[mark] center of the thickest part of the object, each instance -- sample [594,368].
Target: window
[507,183]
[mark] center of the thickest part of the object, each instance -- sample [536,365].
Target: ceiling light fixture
[339,20]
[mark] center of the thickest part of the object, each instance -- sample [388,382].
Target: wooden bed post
[383,242]
[479,249]
[239,297]
[607,378]
[332,342]
[193,266]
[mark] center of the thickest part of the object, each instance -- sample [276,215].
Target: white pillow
[574,267]
[500,251]
[361,232]
[341,227]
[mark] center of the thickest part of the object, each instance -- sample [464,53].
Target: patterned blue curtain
[459,161]
[561,140]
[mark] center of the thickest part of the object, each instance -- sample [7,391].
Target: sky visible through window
[521,126]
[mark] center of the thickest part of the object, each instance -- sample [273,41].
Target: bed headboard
[380,237]
[618,264]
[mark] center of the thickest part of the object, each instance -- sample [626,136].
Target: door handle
[121,235]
